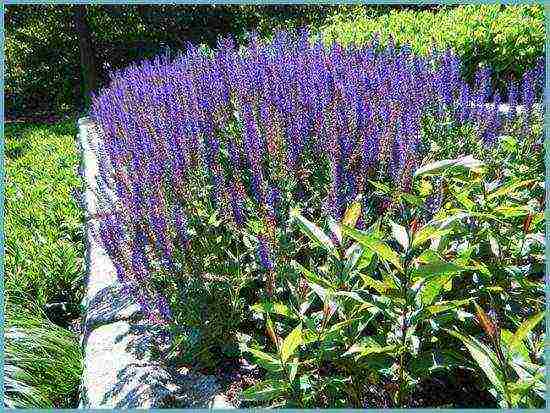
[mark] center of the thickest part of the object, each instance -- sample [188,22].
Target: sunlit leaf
[399,233]
[266,390]
[352,213]
[314,233]
[265,360]
[291,343]
[484,357]
[525,328]
[375,245]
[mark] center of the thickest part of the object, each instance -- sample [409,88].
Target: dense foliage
[203,156]
[42,365]
[44,268]
[43,66]
[507,39]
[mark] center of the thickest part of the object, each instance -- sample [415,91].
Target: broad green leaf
[266,390]
[368,347]
[265,360]
[525,328]
[378,285]
[273,308]
[375,245]
[349,294]
[484,357]
[435,268]
[509,188]
[309,275]
[448,305]
[519,350]
[509,211]
[463,198]
[314,233]
[431,288]
[399,233]
[291,343]
[426,233]
[352,213]
[412,199]
[381,187]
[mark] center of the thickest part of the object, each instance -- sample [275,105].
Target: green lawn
[44,263]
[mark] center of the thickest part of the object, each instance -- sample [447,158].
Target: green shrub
[43,222]
[393,304]
[44,264]
[42,365]
[508,38]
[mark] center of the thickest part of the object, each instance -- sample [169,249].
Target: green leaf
[369,345]
[314,233]
[435,168]
[350,294]
[291,343]
[266,390]
[431,288]
[273,308]
[377,285]
[381,187]
[484,357]
[509,188]
[310,276]
[293,369]
[519,350]
[525,328]
[352,213]
[432,269]
[448,305]
[426,233]
[375,245]
[265,360]
[399,233]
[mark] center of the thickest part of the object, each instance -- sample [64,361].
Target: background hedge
[509,39]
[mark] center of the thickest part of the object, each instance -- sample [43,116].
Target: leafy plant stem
[404,329]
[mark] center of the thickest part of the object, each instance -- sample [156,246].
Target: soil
[456,389]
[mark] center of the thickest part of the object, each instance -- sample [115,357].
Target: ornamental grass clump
[202,156]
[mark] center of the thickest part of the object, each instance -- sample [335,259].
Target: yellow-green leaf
[291,343]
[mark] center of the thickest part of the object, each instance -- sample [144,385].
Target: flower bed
[206,160]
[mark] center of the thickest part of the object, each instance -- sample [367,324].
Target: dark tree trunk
[87,55]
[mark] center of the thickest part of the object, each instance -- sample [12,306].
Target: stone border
[119,368]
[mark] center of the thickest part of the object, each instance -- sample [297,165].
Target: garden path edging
[119,369]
